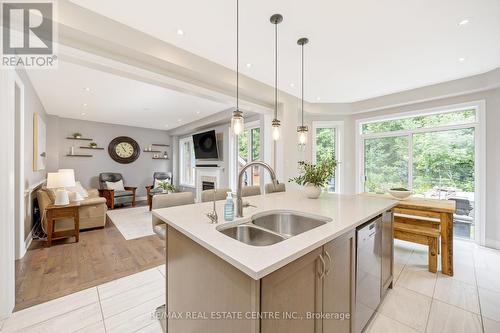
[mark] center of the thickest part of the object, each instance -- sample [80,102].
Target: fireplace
[207,185]
[207,178]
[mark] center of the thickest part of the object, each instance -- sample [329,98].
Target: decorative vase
[312,191]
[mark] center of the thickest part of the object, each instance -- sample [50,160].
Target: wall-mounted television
[205,146]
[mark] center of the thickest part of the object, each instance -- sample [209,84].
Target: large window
[187,162]
[326,142]
[249,150]
[433,155]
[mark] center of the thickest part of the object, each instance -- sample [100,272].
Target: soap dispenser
[229,207]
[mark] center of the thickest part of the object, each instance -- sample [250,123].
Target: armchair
[114,197]
[162,176]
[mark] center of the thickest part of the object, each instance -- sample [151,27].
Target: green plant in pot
[166,187]
[315,176]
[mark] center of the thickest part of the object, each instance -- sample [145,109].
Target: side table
[55,213]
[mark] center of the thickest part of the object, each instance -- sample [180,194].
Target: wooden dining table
[440,210]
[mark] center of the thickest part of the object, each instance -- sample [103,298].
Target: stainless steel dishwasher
[368,271]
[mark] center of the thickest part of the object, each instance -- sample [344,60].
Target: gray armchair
[113,197]
[158,176]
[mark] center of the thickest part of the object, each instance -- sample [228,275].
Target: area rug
[132,222]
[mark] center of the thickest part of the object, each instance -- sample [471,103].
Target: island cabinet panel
[294,290]
[206,293]
[320,283]
[387,251]
[339,284]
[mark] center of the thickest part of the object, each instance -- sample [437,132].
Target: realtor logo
[28,34]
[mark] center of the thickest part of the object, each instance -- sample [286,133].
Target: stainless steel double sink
[272,227]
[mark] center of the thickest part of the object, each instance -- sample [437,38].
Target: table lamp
[59,181]
[76,197]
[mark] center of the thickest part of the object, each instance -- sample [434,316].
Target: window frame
[480,150]
[339,152]
[249,127]
[182,167]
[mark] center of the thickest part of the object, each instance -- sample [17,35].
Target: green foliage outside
[243,144]
[325,148]
[442,158]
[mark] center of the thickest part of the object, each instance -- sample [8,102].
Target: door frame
[339,151]
[479,151]
[7,172]
[20,247]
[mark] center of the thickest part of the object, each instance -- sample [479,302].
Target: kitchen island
[304,281]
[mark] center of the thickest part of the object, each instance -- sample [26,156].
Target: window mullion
[410,162]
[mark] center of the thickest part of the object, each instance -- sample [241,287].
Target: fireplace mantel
[204,174]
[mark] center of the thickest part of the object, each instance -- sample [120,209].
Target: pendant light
[302,130]
[237,120]
[276,19]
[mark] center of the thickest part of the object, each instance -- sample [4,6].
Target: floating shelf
[160,158]
[84,139]
[78,155]
[96,148]
[160,145]
[152,151]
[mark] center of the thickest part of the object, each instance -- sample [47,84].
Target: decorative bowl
[400,193]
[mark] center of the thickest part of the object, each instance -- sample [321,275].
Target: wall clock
[124,149]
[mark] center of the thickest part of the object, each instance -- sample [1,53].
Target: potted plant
[167,187]
[315,176]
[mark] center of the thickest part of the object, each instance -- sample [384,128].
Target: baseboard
[493,243]
[27,243]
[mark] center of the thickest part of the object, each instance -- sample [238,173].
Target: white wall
[32,105]
[87,169]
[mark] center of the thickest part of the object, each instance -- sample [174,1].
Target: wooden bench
[422,234]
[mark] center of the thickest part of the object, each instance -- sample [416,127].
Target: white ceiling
[358,49]
[115,99]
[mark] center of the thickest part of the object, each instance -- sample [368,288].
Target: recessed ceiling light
[87,89]
[83,113]
[463,22]
[180,32]
[179,120]
[166,125]
[249,65]
[85,105]
[197,112]
[318,98]
[462,59]
[292,85]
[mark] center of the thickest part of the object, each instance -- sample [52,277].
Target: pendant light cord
[237,55]
[302,84]
[276,71]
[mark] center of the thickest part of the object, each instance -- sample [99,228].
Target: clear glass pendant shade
[237,122]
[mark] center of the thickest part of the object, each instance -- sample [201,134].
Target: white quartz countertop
[346,212]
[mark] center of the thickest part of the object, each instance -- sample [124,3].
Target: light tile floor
[420,301]
[425,302]
[123,305]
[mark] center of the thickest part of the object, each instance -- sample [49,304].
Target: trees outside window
[249,150]
[433,155]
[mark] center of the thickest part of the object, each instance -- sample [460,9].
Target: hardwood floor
[101,255]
